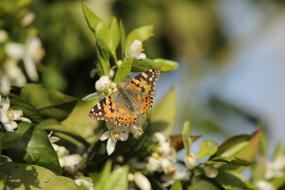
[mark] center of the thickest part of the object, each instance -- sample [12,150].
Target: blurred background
[231,54]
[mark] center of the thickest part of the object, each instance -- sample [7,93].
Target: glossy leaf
[90,17]
[231,180]
[207,149]
[186,135]
[80,122]
[116,180]
[142,33]
[123,70]
[35,148]
[115,34]
[33,177]
[201,184]
[163,64]
[243,146]
[29,111]
[11,139]
[123,39]
[49,102]
[163,115]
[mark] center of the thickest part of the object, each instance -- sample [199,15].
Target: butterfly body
[133,99]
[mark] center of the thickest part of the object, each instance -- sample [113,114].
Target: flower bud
[141,181]
[210,171]
[190,161]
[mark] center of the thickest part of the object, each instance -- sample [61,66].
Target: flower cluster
[136,50]
[118,133]
[66,160]
[273,169]
[105,85]
[163,159]
[30,53]
[9,116]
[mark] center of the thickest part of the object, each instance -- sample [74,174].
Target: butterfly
[133,98]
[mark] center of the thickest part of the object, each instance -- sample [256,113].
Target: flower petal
[15,50]
[124,136]
[30,67]
[142,182]
[6,105]
[3,117]
[111,144]
[11,126]
[105,136]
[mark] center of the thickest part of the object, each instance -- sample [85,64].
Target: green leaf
[49,102]
[103,54]
[80,122]
[64,132]
[22,176]
[200,184]
[243,146]
[123,70]
[90,17]
[116,180]
[163,64]
[104,176]
[279,151]
[123,39]
[11,139]
[163,115]
[35,148]
[115,34]
[232,180]
[142,33]
[186,135]
[278,182]
[207,149]
[259,169]
[29,111]
[176,186]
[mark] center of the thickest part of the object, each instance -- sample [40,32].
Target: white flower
[168,166]
[264,185]
[3,36]
[113,135]
[84,183]
[160,137]
[104,84]
[275,168]
[70,161]
[136,50]
[66,160]
[10,75]
[28,19]
[163,158]
[136,130]
[8,116]
[141,181]
[190,161]
[31,53]
[153,164]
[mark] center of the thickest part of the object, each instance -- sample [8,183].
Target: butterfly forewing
[133,99]
[105,109]
[141,89]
